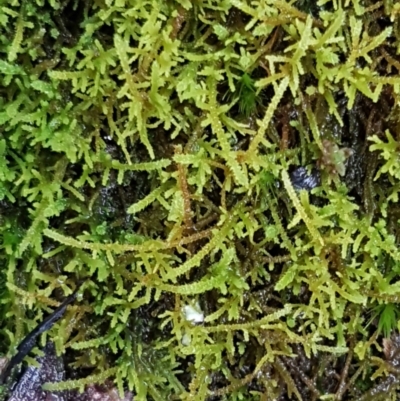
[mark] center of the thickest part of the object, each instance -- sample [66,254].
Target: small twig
[342,383]
[288,379]
[354,377]
[183,186]
[303,377]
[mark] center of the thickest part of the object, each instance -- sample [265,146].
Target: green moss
[388,318]
[146,146]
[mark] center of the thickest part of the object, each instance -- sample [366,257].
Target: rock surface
[29,387]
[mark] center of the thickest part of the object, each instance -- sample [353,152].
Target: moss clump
[146,147]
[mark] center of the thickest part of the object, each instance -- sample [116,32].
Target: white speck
[186,340]
[193,314]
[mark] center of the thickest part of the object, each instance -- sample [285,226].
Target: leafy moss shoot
[147,146]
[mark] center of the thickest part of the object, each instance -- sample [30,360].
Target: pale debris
[193,314]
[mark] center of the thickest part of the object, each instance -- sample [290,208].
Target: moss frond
[124,163]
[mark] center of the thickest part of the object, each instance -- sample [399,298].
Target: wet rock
[101,393]
[301,179]
[51,369]
[29,387]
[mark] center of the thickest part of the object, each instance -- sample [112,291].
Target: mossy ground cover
[147,146]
